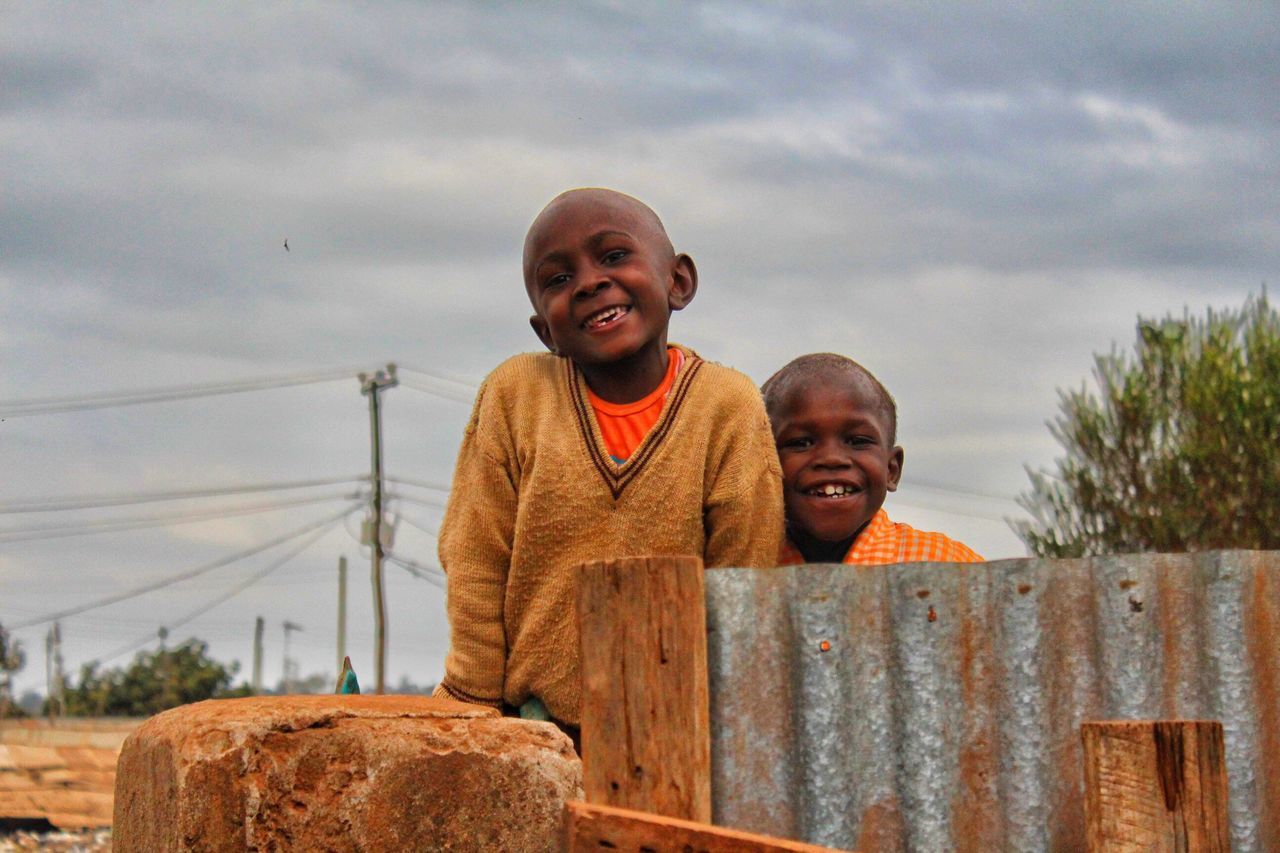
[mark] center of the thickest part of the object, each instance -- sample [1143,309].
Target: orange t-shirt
[624,425]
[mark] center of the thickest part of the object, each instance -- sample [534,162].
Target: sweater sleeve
[475,552]
[743,514]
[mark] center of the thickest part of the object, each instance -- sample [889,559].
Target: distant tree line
[152,682]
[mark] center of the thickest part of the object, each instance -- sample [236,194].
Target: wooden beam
[1155,785]
[646,736]
[594,829]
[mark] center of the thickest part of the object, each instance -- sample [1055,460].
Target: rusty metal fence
[937,706]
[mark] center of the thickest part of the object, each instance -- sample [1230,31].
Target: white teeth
[605,316]
[831,489]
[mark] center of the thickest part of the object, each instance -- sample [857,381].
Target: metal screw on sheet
[824,646]
[1135,605]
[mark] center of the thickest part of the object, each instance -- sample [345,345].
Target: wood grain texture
[593,829]
[646,741]
[1155,786]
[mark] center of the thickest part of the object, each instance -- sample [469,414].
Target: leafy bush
[154,682]
[1179,449]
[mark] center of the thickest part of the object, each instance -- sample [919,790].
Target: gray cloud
[972,199]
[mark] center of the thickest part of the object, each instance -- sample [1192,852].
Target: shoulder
[523,370]
[718,383]
[932,546]
[525,377]
[513,392]
[727,407]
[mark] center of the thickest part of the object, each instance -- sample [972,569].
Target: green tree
[153,682]
[12,659]
[1179,448]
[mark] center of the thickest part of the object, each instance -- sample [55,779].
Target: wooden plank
[593,829]
[646,737]
[1155,786]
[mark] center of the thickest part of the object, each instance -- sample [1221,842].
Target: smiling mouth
[606,317]
[830,490]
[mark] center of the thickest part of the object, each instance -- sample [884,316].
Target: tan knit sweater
[535,494]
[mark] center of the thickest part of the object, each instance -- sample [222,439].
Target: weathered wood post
[646,737]
[1155,785]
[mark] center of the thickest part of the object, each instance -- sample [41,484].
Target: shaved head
[609,207]
[827,368]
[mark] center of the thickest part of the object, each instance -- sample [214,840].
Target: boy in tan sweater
[614,444]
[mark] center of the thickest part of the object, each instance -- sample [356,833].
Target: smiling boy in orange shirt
[614,444]
[835,427]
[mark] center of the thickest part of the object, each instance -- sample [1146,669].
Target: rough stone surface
[342,773]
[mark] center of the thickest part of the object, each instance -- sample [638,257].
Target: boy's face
[837,464]
[603,278]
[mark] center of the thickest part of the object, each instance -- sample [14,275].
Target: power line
[467,384]
[438,504]
[434,571]
[170,581]
[952,490]
[222,597]
[63,531]
[424,528]
[985,516]
[58,504]
[59,405]
[429,574]
[456,395]
[421,484]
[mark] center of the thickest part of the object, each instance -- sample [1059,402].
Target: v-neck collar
[615,476]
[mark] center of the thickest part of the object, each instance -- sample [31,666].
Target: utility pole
[48,672]
[53,671]
[342,612]
[289,663]
[258,628]
[371,386]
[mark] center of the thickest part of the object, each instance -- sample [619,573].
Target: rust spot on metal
[1024,588]
[922,594]
[1261,614]
[1224,603]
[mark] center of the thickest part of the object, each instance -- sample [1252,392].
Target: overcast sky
[969,198]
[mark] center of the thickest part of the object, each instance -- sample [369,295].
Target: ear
[684,282]
[895,468]
[543,331]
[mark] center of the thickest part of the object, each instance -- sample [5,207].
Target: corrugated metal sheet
[945,711]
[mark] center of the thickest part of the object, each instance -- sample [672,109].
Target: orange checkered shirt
[883,541]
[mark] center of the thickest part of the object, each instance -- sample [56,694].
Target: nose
[830,453]
[590,282]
